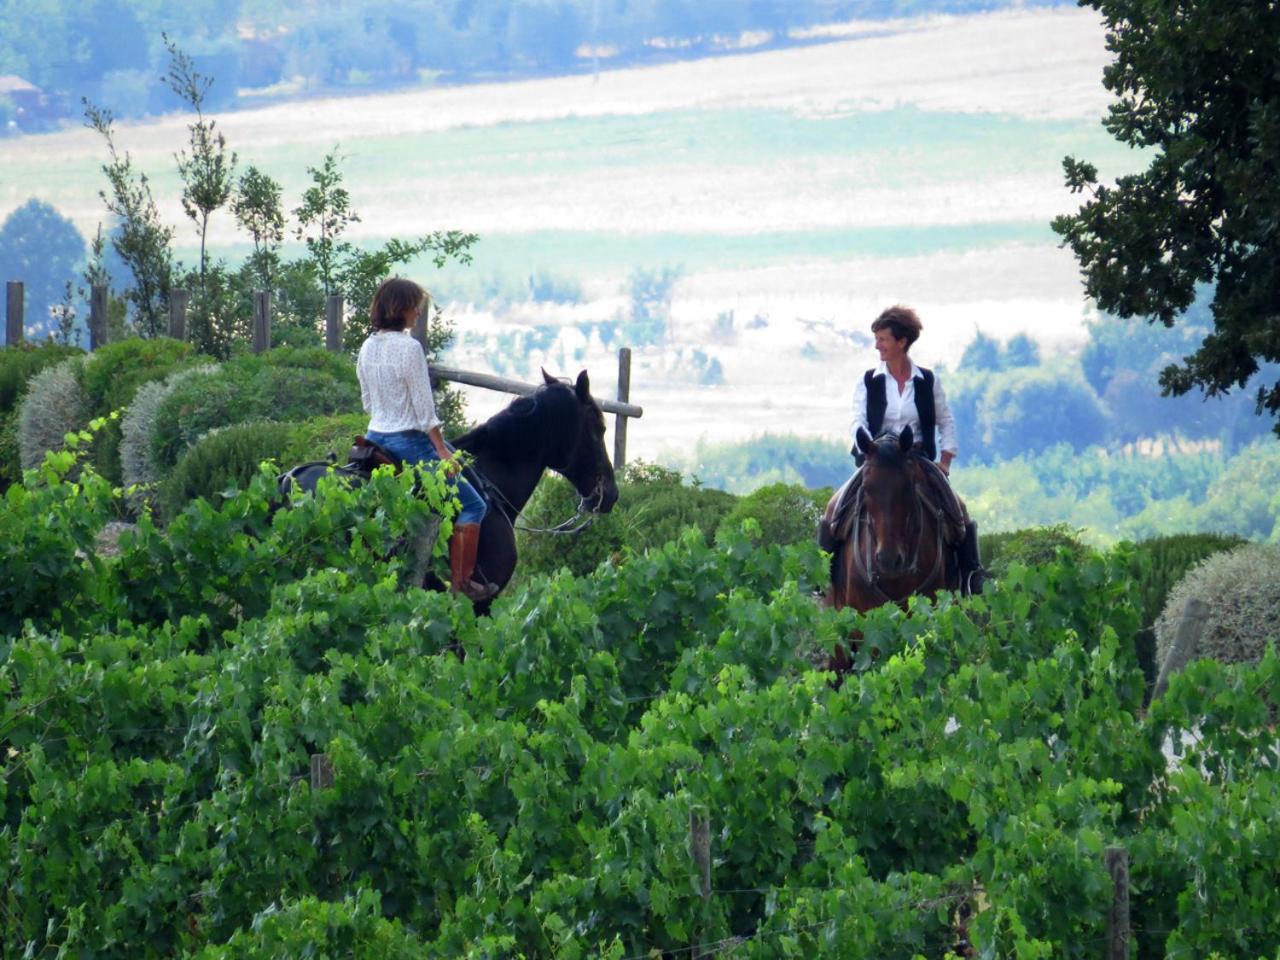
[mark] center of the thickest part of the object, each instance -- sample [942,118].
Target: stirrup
[476,592]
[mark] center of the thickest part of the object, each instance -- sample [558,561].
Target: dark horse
[894,534]
[560,427]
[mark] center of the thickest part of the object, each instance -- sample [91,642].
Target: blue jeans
[414,446]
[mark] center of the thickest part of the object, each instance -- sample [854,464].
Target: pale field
[698,152]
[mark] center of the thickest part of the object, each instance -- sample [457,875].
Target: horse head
[889,499]
[584,461]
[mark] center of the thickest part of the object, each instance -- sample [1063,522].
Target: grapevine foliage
[537,797]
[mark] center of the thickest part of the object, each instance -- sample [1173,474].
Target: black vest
[878,402]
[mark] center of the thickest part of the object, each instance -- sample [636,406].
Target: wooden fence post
[321,771]
[333,322]
[1117,861]
[1195,616]
[261,321]
[420,327]
[700,848]
[178,300]
[620,421]
[97,316]
[13,313]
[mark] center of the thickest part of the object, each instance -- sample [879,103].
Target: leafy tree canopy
[1199,87]
[43,249]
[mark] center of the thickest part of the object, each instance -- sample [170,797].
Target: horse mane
[528,426]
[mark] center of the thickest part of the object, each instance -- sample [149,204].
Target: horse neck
[515,479]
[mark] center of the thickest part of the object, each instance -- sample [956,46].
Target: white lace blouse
[395,387]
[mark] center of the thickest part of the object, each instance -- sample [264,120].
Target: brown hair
[901,322]
[394,301]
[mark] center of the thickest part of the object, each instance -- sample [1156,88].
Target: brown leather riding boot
[463,546]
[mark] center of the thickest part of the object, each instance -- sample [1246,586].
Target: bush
[137,465]
[281,385]
[786,513]
[1242,590]
[318,437]
[1167,561]
[654,507]
[10,457]
[223,459]
[111,377]
[54,405]
[1033,547]
[20,362]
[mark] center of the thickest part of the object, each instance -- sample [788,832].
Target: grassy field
[797,191]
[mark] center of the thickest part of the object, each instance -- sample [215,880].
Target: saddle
[366,456]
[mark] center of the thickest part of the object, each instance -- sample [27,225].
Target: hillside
[790,193]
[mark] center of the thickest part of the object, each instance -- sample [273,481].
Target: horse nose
[890,560]
[608,497]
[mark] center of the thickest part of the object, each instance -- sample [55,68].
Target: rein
[581,519]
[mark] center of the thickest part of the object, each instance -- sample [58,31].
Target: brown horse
[898,541]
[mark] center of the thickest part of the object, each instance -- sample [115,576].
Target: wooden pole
[333,322]
[420,329]
[97,316]
[519,387]
[178,300]
[1117,861]
[700,849]
[620,420]
[261,321]
[1195,616]
[13,326]
[321,771]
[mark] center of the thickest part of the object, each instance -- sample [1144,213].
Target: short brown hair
[901,322]
[393,303]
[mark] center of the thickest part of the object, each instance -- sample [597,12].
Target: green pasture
[890,149]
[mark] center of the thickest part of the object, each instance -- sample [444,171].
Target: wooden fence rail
[621,407]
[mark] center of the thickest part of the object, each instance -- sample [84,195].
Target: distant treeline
[112,52]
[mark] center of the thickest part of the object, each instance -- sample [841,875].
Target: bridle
[582,518]
[864,564]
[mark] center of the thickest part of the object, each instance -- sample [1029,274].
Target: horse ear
[547,378]
[583,387]
[906,439]
[864,441]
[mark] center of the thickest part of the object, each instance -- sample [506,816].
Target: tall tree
[141,239]
[43,249]
[208,171]
[1198,83]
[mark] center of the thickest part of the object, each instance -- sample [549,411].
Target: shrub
[1242,590]
[318,437]
[654,507]
[786,513]
[1168,560]
[284,385]
[22,361]
[54,405]
[1033,546]
[10,457]
[221,460]
[137,465]
[111,377]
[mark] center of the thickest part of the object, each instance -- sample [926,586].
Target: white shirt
[900,408]
[395,386]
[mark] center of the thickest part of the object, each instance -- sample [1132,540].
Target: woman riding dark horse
[558,426]
[896,528]
[395,388]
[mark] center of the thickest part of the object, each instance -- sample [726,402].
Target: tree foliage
[43,249]
[1198,87]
